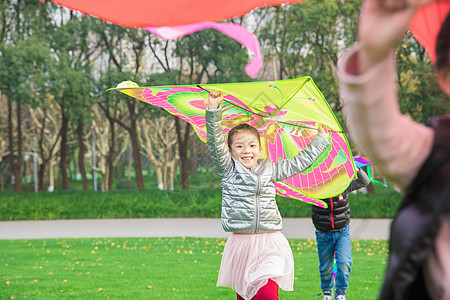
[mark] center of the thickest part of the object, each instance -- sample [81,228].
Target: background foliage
[56,64]
[203,200]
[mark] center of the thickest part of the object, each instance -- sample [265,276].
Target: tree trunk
[183,143]
[135,147]
[41,176]
[130,159]
[18,176]
[2,181]
[81,153]
[51,177]
[137,160]
[15,160]
[64,150]
[110,166]
[107,180]
[160,177]
[132,131]
[171,175]
[73,171]
[194,159]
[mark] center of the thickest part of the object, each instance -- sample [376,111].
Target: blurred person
[415,156]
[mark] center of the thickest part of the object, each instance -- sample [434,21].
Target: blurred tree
[22,26]
[125,48]
[108,147]
[419,93]
[23,80]
[70,82]
[158,140]
[46,123]
[4,152]
[111,105]
[3,127]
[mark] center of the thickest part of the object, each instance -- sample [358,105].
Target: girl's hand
[215,98]
[323,130]
[381,26]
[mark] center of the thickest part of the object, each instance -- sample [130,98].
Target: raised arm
[360,182]
[305,158]
[214,138]
[395,143]
[381,26]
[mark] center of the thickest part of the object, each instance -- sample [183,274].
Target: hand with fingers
[381,26]
[323,130]
[215,98]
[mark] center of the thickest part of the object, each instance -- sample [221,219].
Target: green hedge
[195,203]
[379,205]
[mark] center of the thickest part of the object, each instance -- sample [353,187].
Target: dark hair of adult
[443,46]
[240,128]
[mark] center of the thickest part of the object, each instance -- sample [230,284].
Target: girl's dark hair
[443,45]
[240,128]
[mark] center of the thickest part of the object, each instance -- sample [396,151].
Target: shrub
[153,203]
[126,184]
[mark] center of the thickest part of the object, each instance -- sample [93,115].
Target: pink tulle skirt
[250,260]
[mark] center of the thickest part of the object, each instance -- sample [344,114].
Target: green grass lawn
[158,268]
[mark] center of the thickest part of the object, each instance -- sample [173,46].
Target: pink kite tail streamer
[235,31]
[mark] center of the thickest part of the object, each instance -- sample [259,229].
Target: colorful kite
[361,161]
[286,113]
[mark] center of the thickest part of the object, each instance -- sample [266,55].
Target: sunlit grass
[157,268]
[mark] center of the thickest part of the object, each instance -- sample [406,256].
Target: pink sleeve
[397,145]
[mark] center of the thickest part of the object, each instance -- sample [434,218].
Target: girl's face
[246,148]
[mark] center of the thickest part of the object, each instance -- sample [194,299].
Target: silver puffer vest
[248,195]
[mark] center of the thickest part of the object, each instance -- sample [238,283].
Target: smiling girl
[257,258]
